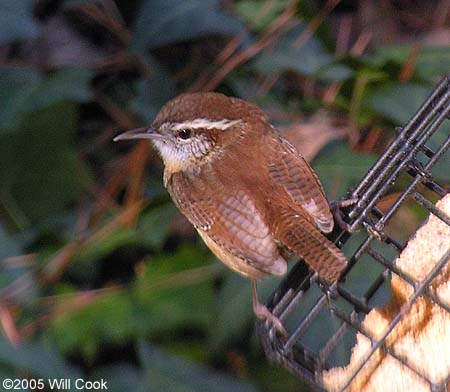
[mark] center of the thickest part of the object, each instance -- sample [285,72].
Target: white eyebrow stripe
[204,123]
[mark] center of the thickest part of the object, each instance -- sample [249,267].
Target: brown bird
[248,192]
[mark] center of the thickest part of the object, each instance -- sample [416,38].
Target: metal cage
[322,325]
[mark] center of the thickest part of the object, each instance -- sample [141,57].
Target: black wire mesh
[322,327]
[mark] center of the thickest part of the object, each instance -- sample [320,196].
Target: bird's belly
[232,261]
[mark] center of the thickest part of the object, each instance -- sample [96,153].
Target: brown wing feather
[231,220]
[197,206]
[290,170]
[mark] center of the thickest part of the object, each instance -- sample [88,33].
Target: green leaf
[388,54]
[165,372]
[75,3]
[397,101]
[441,169]
[234,311]
[431,63]
[68,84]
[40,172]
[9,246]
[334,72]
[153,92]
[120,377]
[184,258]
[311,58]
[109,319]
[166,311]
[249,8]
[96,250]
[159,302]
[169,287]
[154,225]
[24,91]
[16,88]
[14,274]
[164,22]
[277,378]
[16,20]
[340,169]
[38,358]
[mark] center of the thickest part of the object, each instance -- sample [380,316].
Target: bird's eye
[184,134]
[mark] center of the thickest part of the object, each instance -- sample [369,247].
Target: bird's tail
[303,238]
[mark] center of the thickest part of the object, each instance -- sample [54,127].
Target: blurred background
[100,276]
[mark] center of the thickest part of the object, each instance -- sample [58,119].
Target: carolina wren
[248,192]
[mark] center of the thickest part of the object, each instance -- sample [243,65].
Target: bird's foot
[263,313]
[335,207]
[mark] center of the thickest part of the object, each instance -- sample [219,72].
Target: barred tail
[303,238]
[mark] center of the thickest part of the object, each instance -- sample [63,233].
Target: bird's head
[194,128]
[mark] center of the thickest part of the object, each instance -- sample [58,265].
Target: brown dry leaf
[310,136]
[8,323]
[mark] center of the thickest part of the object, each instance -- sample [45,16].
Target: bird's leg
[263,313]
[329,289]
[335,207]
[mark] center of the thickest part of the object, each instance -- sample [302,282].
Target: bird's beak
[139,133]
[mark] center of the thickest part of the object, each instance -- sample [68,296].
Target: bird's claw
[335,207]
